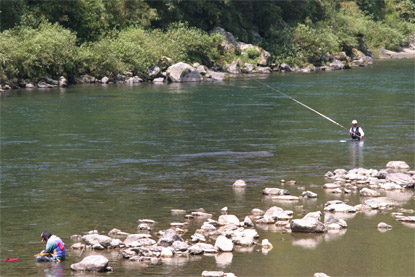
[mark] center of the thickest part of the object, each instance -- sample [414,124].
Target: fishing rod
[302,104]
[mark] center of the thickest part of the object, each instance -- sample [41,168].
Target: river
[101,157]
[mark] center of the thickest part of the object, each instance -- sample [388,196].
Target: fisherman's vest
[356,131]
[60,249]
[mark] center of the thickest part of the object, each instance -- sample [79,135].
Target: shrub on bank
[136,49]
[32,53]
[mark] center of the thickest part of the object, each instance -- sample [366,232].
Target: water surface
[102,157]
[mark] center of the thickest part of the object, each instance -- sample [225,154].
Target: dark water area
[102,157]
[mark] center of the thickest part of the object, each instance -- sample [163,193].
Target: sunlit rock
[398,165]
[91,263]
[366,192]
[239,184]
[275,191]
[228,219]
[310,223]
[224,244]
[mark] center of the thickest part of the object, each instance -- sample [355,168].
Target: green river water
[102,157]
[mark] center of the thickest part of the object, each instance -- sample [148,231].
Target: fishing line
[302,104]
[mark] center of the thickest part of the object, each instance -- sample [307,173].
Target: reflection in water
[334,234]
[224,259]
[52,269]
[356,153]
[309,241]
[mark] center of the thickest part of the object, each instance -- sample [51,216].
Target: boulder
[247,68]
[224,244]
[182,72]
[337,65]
[104,80]
[308,69]
[169,237]
[257,212]
[398,165]
[233,68]
[276,213]
[229,43]
[239,184]
[402,179]
[91,263]
[203,70]
[95,239]
[286,68]
[159,80]
[180,245]
[62,82]
[309,194]
[330,220]
[217,76]
[320,274]
[138,240]
[228,219]
[275,191]
[166,252]
[337,206]
[264,58]
[153,71]
[383,225]
[263,70]
[310,223]
[366,192]
[331,186]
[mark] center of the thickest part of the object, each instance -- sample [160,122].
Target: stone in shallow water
[91,263]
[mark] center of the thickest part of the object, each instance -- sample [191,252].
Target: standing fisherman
[55,249]
[356,132]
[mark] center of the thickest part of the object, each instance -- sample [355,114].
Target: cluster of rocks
[228,233]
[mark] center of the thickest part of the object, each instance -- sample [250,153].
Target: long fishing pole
[302,104]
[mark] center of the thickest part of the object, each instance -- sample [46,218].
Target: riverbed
[101,157]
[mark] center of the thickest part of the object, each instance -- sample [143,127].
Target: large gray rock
[233,68]
[276,213]
[169,237]
[63,82]
[153,71]
[229,43]
[397,165]
[228,219]
[275,191]
[402,179]
[183,72]
[337,65]
[310,223]
[247,68]
[239,184]
[337,206]
[95,239]
[138,240]
[224,244]
[91,263]
[217,76]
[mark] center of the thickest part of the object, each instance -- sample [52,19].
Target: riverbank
[198,233]
[405,53]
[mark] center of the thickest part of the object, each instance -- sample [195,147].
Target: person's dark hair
[46,235]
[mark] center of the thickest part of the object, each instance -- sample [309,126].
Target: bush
[28,53]
[136,49]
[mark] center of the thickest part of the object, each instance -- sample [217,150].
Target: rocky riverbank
[220,233]
[251,59]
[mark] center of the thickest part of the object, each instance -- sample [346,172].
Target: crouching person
[54,251]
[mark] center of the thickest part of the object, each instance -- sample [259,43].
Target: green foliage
[136,49]
[114,36]
[253,53]
[28,53]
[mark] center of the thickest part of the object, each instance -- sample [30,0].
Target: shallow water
[94,157]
